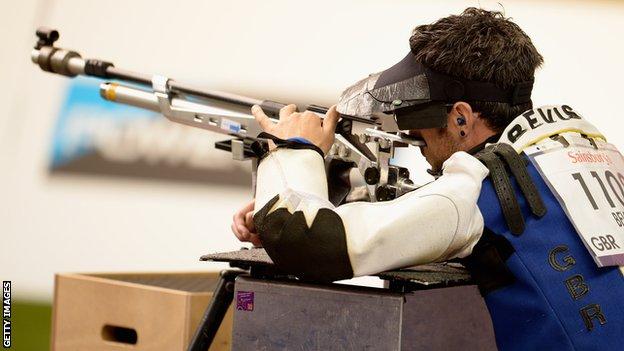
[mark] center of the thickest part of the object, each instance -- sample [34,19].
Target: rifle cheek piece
[419,97]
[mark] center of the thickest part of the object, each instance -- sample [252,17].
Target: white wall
[284,50]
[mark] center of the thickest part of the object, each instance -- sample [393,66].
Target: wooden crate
[132,311]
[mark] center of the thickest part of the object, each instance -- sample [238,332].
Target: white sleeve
[437,222]
[298,176]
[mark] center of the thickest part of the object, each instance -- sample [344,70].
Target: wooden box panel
[134,311]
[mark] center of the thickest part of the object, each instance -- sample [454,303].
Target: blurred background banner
[97,137]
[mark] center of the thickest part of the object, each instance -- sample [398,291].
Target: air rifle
[359,158]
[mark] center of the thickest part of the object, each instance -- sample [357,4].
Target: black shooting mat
[254,256]
[434,274]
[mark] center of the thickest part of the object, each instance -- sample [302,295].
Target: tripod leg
[211,321]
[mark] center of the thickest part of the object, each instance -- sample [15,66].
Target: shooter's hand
[305,125]
[243,226]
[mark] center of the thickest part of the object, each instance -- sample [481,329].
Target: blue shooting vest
[558,298]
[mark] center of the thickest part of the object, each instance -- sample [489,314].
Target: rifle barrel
[70,63]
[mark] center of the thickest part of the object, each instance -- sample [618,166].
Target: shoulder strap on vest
[486,263]
[499,159]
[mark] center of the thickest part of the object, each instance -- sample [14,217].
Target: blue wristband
[300,140]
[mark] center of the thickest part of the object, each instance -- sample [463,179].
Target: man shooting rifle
[521,214]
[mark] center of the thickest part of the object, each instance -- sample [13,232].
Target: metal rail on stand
[213,316]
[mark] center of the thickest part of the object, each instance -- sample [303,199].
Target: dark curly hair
[484,46]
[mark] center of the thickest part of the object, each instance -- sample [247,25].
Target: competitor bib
[588,181]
